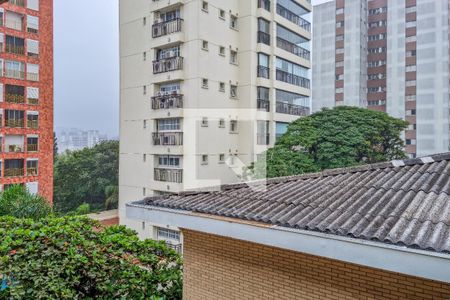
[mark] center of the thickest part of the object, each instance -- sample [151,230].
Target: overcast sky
[87,64]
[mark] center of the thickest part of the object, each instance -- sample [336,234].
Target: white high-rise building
[206,86]
[391,56]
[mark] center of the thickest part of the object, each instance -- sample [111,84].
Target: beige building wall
[205,109]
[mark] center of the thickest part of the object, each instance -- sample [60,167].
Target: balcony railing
[167,64]
[292,109]
[167,27]
[263,38]
[264,4]
[167,101]
[14,98]
[14,148]
[17,2]
[33,76]
[32,147]
[169,175]
[32,171]
[287,14]
[177,247]
[263,139]
[33,124]
[15,123]
[14,74]
[33,101]
[14,24]
[263,72]
[14,172]
[264,105]
[293,48]
[15,49]
[292,79]
[168,138]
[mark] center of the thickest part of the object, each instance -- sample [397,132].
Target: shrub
[17,202]
[74,258]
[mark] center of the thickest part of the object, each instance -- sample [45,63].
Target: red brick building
[26,95]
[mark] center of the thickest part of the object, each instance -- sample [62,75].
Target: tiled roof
[404,203]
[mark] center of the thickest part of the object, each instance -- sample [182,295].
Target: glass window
[168,124]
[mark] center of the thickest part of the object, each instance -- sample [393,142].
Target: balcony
[292,48]
[292,109]
[265,4]
[14,172]
[33,101]
[20,50]
[263,72]
[263,105]
[14,148]
[32,76]
[167,101]
[166,27]
[17,2]
[15,74]
[289,15]
[33,124]
[167,64]
[15,123]
[169,175]
[15,98]
[263,139]
[292,79]
[32,148]
[32,171]
[263,38]
[168,138]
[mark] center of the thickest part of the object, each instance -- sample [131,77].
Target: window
[205,6]
[14,20]
[167,234]
[410,24]
[32,72]
[339,90]
[32,24]
[169,161]
[410,142]
[411,98]
[168,52]
[377,11]
[222,87]
[15,45]
[376,102]
[222,123]
[340,24]
[221,158]
[339,38]
[168,124]
[33,4]
[204,122]
[233,126]
[144,56]
[411,53]
[32,120]
[411,9]
[339,11]
[340,51]
[376,76]
[339,64]
[411,112]
[205,83]
[262,132]
[339,76]
[144,21]
[263,31]
[233,91]
[204,45]
[377,37]
[144,90]
[233,57]
[144,157]
[411,39]
[263,65]
[32,167]
[233,22]
[410,83]
[222,14]
[144,125]
[204,159]
[222,50]
[412,126]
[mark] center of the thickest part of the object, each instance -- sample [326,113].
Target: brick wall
[223,268]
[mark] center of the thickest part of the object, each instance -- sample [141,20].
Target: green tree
[333,138]
[16,201]
[83,176]
[74,258]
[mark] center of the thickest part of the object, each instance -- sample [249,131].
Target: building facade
[391,56]
[206,86]
[26,95]
[72,139]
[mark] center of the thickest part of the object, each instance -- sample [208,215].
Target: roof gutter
[425,264]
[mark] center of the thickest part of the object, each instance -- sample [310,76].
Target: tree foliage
[73,258]
[84,176]
[333,138]
[16,201]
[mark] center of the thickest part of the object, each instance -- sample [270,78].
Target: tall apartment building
[26,95]
[391,56]
[206,86]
